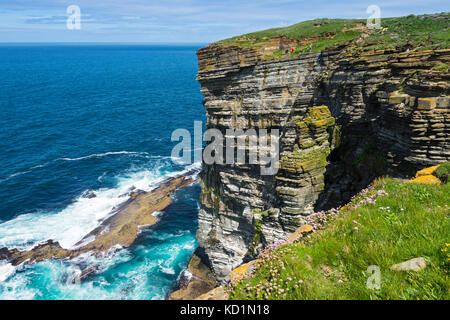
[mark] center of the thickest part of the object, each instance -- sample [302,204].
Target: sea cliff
[344,119]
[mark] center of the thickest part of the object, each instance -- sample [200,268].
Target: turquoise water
[93,118]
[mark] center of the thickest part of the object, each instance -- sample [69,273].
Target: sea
[80,125]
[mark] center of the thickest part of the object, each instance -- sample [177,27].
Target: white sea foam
[95,155]
[184,275]
[71,224]
[16,288]
[157,214]
[168,270]
[6,270]
[189,246]
[99,155]
[165,266]
[15,175]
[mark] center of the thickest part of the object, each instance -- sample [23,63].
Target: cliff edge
[345,116]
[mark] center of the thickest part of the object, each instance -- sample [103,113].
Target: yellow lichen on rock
[300,232]
[428,179]
[219,293]
[426,176]
[317,116]
[242,271]
[427,171]
[426,103]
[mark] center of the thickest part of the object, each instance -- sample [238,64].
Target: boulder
[416,264]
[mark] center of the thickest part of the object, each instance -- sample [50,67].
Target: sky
[179,21]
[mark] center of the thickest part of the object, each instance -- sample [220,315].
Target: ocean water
[93,118]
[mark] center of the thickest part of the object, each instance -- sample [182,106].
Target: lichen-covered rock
[416,264]
[426,179]
[243,271]
[426,176]
[219,293]
[426,171]
[343,120]
[300,232]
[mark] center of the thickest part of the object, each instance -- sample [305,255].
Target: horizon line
[103,42]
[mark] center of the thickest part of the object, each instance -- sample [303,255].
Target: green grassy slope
[389,224]
[425,32]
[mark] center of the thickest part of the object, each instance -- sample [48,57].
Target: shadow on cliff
[366,142]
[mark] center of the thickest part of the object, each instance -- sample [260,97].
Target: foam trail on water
[99,155]
[96,155]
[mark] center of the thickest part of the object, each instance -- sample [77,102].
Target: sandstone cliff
[343,120]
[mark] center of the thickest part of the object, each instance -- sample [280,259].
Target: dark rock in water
[48,250]
[89,194]
[136,193]
[86,273]
[201,280]
[132,192]
[129,191]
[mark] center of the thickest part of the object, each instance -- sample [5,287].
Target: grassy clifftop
[425,32]
[387,224]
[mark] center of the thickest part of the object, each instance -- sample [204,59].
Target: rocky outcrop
[120,229]
[416,264]
[426,176]
[200,281]
[219,293]
[343,120]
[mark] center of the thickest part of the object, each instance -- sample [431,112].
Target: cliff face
[343,120]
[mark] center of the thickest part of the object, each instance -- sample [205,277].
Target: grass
[443,172]
[391,223]
[299,31]
[440,67]
[424,32]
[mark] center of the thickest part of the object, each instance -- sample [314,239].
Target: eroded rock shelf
[120,229]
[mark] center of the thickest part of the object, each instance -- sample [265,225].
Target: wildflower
[340,281]
[356,228]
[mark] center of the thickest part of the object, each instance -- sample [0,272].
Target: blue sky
[198,21]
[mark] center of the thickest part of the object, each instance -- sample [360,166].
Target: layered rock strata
[343,120]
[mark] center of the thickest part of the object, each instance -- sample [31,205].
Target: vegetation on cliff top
[424,32]
[389,223]
[443,172]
